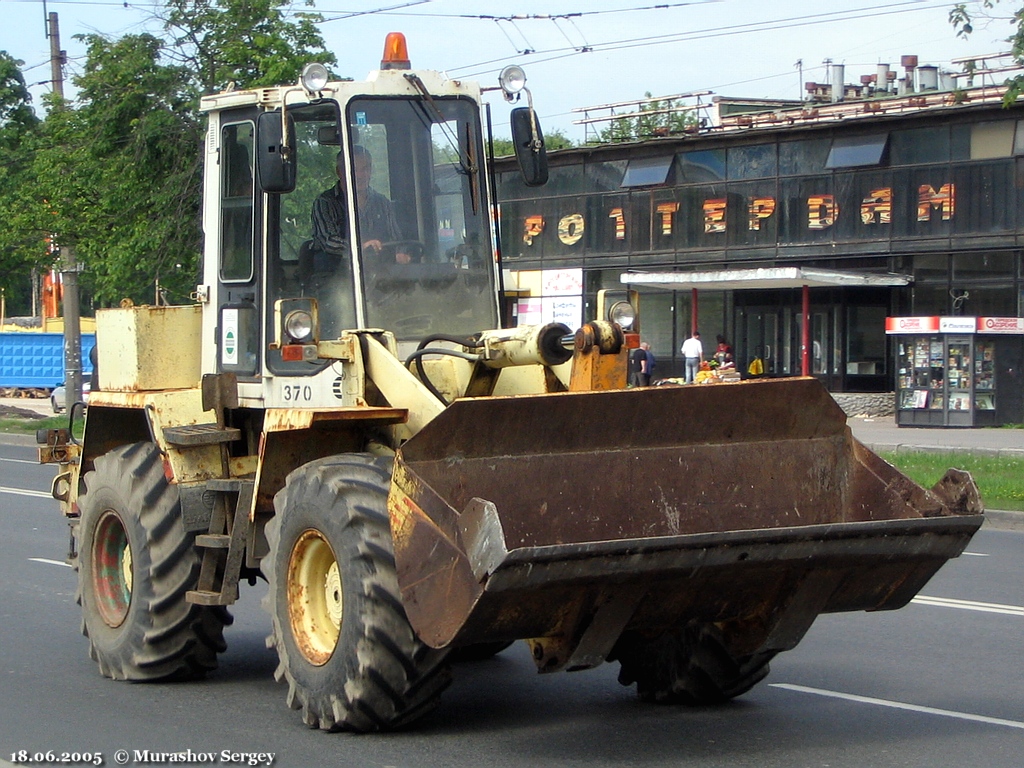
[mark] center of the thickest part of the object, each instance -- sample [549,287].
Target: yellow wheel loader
[339,413]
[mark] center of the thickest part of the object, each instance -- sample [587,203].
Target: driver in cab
[377,222]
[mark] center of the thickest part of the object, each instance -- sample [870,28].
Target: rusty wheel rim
[315,602]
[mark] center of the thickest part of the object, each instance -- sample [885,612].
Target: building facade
[906,205]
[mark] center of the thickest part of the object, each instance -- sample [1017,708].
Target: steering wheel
[390,250]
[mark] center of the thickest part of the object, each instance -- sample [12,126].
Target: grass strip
[1000,479]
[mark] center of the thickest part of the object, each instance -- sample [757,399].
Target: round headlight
[622,312]
[299,325]
[512,80]
[314,77]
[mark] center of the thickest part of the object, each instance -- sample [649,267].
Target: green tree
[962,20]
[16,115]
[117,176]
[18,253]
[117,173]
[554,139]
[243,42]
[656,117]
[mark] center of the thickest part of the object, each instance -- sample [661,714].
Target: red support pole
[805,334]
[693,311]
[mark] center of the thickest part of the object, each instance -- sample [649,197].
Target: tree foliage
[117,176]
[963,20]
[116,173]
[553,140]
[16,115]
[242,42]
[17,122]
[656,117]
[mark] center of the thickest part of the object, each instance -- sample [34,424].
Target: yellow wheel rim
[314,594]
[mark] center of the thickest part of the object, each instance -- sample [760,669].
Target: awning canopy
[768,277]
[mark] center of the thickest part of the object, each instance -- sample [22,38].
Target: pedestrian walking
[650,361]
[693,356]
[638,375]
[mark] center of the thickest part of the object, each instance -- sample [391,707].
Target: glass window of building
[606,175]
[805,156]
[990,140]
[656,327]
[989,301]
[701,166]
[865,340]
[982,266]
[930,267]
[754,162]
[919,145]
[1018,139]
[647,171]
[857,151]
[566,180]
[930,300]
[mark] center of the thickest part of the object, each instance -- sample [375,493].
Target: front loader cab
[348,205]
[386,225]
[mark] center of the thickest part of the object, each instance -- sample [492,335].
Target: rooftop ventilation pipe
[838,82]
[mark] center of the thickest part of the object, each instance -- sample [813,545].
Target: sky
[582,53]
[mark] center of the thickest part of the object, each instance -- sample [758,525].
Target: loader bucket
[576,516]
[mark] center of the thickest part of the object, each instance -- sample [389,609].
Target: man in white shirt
[693,354]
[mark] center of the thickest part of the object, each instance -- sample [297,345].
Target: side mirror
[275,163]
[529,143]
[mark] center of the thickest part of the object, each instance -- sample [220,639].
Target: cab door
[239,248]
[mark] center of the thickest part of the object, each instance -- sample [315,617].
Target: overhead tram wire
[544,16]
[678,37]
[376,11]
[527,49]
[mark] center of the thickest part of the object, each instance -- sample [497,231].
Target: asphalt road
[935,684]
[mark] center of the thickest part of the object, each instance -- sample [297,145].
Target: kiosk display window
[947,369]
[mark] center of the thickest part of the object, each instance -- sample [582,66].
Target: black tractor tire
[344,644]
[691,666]
[135,563]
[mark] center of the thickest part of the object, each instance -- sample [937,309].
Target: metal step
[229,485]
[223,549]
[201,434]
[206,597]
[213,540]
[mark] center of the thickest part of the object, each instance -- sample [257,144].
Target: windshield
[424,242]
[420,262]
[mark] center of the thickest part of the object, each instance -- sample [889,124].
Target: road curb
[998,518]
[1009,453]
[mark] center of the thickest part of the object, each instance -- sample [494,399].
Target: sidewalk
[882,434]
[39,405]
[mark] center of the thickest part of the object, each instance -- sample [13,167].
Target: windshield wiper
[466,165]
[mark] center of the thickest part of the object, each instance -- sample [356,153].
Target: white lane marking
[25,492]
[20,461]
[974,554]
[900,705]
[49,562]
[969,605]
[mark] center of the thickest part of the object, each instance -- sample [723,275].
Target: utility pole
[72,327]
[69,266]
[57,57]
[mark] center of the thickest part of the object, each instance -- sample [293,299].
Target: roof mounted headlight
[512,80]
[314,77]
